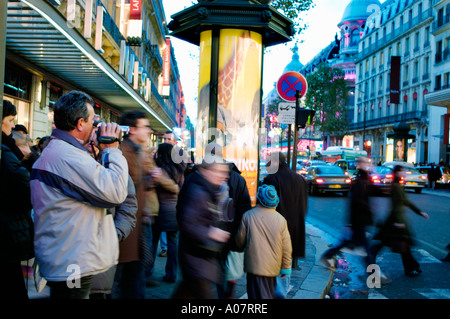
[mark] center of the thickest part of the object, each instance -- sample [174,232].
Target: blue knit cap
[267,196]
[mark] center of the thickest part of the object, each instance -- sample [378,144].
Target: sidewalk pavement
[310,280]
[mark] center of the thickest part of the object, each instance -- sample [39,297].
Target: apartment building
[403,28]
[111,49]
[439,97]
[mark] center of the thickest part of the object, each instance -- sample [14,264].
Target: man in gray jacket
[75,237]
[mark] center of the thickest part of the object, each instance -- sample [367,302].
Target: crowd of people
[90,212]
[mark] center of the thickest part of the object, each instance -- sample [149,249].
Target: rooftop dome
[295,64]
[358,10]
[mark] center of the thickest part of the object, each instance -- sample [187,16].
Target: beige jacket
[264,236]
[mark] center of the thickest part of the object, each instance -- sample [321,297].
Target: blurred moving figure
[200,215]
[360,216]
[396,232]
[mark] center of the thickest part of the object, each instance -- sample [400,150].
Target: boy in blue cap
[264,236]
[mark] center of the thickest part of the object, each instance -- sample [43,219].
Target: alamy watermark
[374,279]
[74,279]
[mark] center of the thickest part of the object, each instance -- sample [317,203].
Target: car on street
[414,180]
[381,178]
[444,180]
[348,166]
[302,165]
[327,178]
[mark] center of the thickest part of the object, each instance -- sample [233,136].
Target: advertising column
[238,99]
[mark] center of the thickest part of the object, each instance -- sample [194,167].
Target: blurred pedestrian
[234,260]
[169,137]
[43,142]
[16,225]
[360,217]
[124,220]
[434,174]
[75,238]
[200,215]
[264,236]
[167,189]
[135,251]
[292,191]
[396,232]
[151,206]
[23,143]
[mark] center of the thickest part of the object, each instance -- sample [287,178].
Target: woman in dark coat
[16,224]
[396,232]
[291,188]
[166,221]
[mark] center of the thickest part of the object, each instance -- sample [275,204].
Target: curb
[320,279]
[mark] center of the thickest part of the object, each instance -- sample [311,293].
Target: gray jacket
[70,193]
[125,221]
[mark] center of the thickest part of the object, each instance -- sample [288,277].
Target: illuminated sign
[135,9]
[166,64]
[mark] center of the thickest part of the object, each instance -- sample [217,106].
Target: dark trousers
[12,281]
[62,289]
[172,251]
[129,281]
[259,287]
[408,260]
[196,288]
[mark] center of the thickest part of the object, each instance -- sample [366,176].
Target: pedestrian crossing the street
[427,261]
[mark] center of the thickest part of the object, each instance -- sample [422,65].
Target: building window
[17,82]
[382,58]
[426,66]
[427,37]
[437,83]
[416,41]
[407,44]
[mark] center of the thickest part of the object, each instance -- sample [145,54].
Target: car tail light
[376,179]
[320,180]
[389,176]
[402,181]
[346,173]
[423,177]
[408,172]
[348,180]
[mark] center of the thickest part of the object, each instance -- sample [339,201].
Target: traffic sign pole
[298,95]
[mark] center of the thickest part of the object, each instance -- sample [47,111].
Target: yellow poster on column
[239,89]
[201,130]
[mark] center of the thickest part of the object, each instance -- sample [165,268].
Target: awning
[39,33]
[439,98]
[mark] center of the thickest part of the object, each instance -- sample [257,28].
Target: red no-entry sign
[289,83]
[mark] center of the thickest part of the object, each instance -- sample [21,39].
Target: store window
[17,82]
[17,88]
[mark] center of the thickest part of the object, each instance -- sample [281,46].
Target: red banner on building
[135,9]
[447,129]
[166,64]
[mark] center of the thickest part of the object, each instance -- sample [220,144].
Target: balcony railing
[394,34]
[110,25]
[387,120]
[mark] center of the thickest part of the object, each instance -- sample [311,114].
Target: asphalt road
[329,214]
